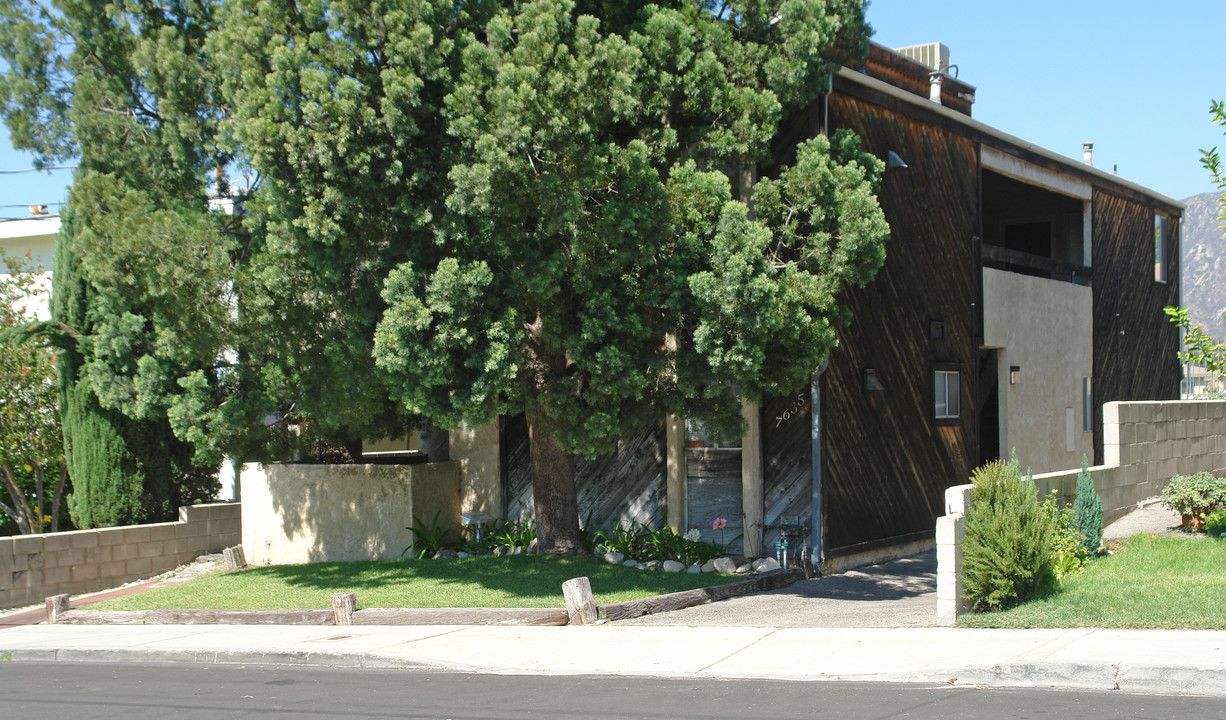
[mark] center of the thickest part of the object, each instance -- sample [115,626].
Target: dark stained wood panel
[886,461]
[620,487]
[1135,346]
[786,462]
[713,489]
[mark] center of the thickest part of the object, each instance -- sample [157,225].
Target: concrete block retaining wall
[1145,444]
[33,567]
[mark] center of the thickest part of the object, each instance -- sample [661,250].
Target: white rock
[694,569]
[463,555]
[765,564]
[651,564]
[725,565]
[614,558]
[502,550]
[709,566]
[672,566]
[743,569]
[631,563]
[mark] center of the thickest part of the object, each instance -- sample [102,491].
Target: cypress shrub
[1088,510]
[124,471]
[1007,551]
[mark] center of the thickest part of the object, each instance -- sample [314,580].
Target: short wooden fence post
[57,605]
[343,607]
[580,605]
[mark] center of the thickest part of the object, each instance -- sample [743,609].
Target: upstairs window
[1160,233]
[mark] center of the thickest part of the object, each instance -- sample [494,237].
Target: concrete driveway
[900,593]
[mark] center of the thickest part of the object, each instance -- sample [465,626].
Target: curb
[1096,677]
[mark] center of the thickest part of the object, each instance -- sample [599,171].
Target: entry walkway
[900,593]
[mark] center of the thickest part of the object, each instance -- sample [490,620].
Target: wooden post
[675,469]
[580,606]
[235,558]
[343,607]
[57,605]
[752,497]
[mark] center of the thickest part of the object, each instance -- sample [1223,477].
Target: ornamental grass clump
[1007,552]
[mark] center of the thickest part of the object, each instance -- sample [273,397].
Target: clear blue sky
[1135,78]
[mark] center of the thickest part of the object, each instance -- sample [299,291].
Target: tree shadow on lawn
[526,577]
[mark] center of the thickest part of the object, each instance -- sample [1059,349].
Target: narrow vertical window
[946,387]
[1087,406]
[1160,233]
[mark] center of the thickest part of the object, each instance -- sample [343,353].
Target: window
[697,434]
[1160,233]
[947,386]
[1087,405]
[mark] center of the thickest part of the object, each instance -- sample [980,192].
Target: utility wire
[46,169]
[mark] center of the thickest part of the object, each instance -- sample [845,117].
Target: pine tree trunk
[553,491]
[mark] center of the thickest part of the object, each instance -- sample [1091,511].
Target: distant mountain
[1204,262]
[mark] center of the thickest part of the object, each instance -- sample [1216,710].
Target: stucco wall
[33,567]
[479,454]
[1045,327]
[316,513]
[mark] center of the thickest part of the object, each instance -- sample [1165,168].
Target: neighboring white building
[34,235]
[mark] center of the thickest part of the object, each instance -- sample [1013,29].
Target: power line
[46,169]
[30,205]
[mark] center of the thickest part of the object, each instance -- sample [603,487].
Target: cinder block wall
[33,567]
[1145,444]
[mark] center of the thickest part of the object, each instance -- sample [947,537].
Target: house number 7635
[790,412]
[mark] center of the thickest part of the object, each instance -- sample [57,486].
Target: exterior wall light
[1015,374]
[871,382]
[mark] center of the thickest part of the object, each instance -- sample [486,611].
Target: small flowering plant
[693,535]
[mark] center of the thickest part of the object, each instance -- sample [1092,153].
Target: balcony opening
[1032,230]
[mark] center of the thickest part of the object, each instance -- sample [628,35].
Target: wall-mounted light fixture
[1015,374]
[871,382]
[892,160]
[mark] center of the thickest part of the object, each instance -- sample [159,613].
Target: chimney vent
[1087,153]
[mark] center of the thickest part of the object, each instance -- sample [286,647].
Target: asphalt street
[135,691]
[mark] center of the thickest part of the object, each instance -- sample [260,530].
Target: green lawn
[511,581]
[1151,582]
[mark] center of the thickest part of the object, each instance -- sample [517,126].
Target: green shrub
[1215,523]
[1194,494]
[427,539]
[1069,551]
[638,542]
[1088,510]
[1007,552]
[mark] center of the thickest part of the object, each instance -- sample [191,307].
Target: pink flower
[719,524]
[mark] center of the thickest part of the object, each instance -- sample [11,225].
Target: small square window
[946,395]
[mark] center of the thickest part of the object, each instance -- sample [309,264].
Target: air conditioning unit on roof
[931,55]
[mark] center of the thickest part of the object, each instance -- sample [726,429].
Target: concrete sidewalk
[1143,661]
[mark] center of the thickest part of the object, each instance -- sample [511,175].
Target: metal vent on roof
[931,55]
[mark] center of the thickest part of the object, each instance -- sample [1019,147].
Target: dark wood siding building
[1021,291]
